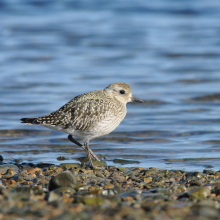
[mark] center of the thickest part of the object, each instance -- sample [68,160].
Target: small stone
[210,172]
[5,167]
[44,165]
[17,160]
[24,167]
[64,190]
[27,182]
[91,189]
[148,179]
[109,186]
[65,179]
[98,174]
[61,158]
[128,199]
[9,173]
[18,178]
[93,200]
[1,158]
[195,183]
[12,183]
[139,168]
[128,173]
[86,171]
[199,193]
[124,161]
[69,165]
[181,188]
[35,170]
[217,173]
[53,196]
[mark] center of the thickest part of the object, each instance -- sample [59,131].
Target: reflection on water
[167,51]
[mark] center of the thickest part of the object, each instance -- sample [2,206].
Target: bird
[90,115]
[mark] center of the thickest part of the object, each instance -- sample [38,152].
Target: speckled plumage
[85,113]
[89,115]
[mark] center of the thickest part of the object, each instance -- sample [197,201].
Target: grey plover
[89,115]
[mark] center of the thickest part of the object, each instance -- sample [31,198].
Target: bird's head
[121,92]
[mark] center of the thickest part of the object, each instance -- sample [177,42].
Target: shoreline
[73,190]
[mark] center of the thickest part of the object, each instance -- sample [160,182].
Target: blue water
[167,51]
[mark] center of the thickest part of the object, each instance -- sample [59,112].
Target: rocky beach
[74,191]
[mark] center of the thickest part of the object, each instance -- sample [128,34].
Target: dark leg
[83,146]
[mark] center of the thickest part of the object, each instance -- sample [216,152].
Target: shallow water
[167,51]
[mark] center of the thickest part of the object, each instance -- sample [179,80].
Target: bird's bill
[134,99]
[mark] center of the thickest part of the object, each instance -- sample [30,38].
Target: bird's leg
[86,145]
[80,145]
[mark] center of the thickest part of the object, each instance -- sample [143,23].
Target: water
[168,51]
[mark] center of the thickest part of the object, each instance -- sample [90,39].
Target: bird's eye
[122,91]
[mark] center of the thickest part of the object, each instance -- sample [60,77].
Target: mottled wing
[79,114]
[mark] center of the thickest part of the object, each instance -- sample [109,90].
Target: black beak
[134,99]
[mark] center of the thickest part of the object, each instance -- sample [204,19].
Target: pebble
[53,196]
[62,158]
[217,174]
[9,173]
[5,167]
[199,193]
[109,186]
[69,165]
[65,179]
[148,179]
[64,190]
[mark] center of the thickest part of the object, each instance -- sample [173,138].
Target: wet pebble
[5,167]
[61,158]
[65,179]
[199,193]
[9,173]
[67,166]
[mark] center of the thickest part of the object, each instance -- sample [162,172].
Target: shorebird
[89,115]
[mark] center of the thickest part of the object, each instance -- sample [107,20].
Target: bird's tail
[29,120]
